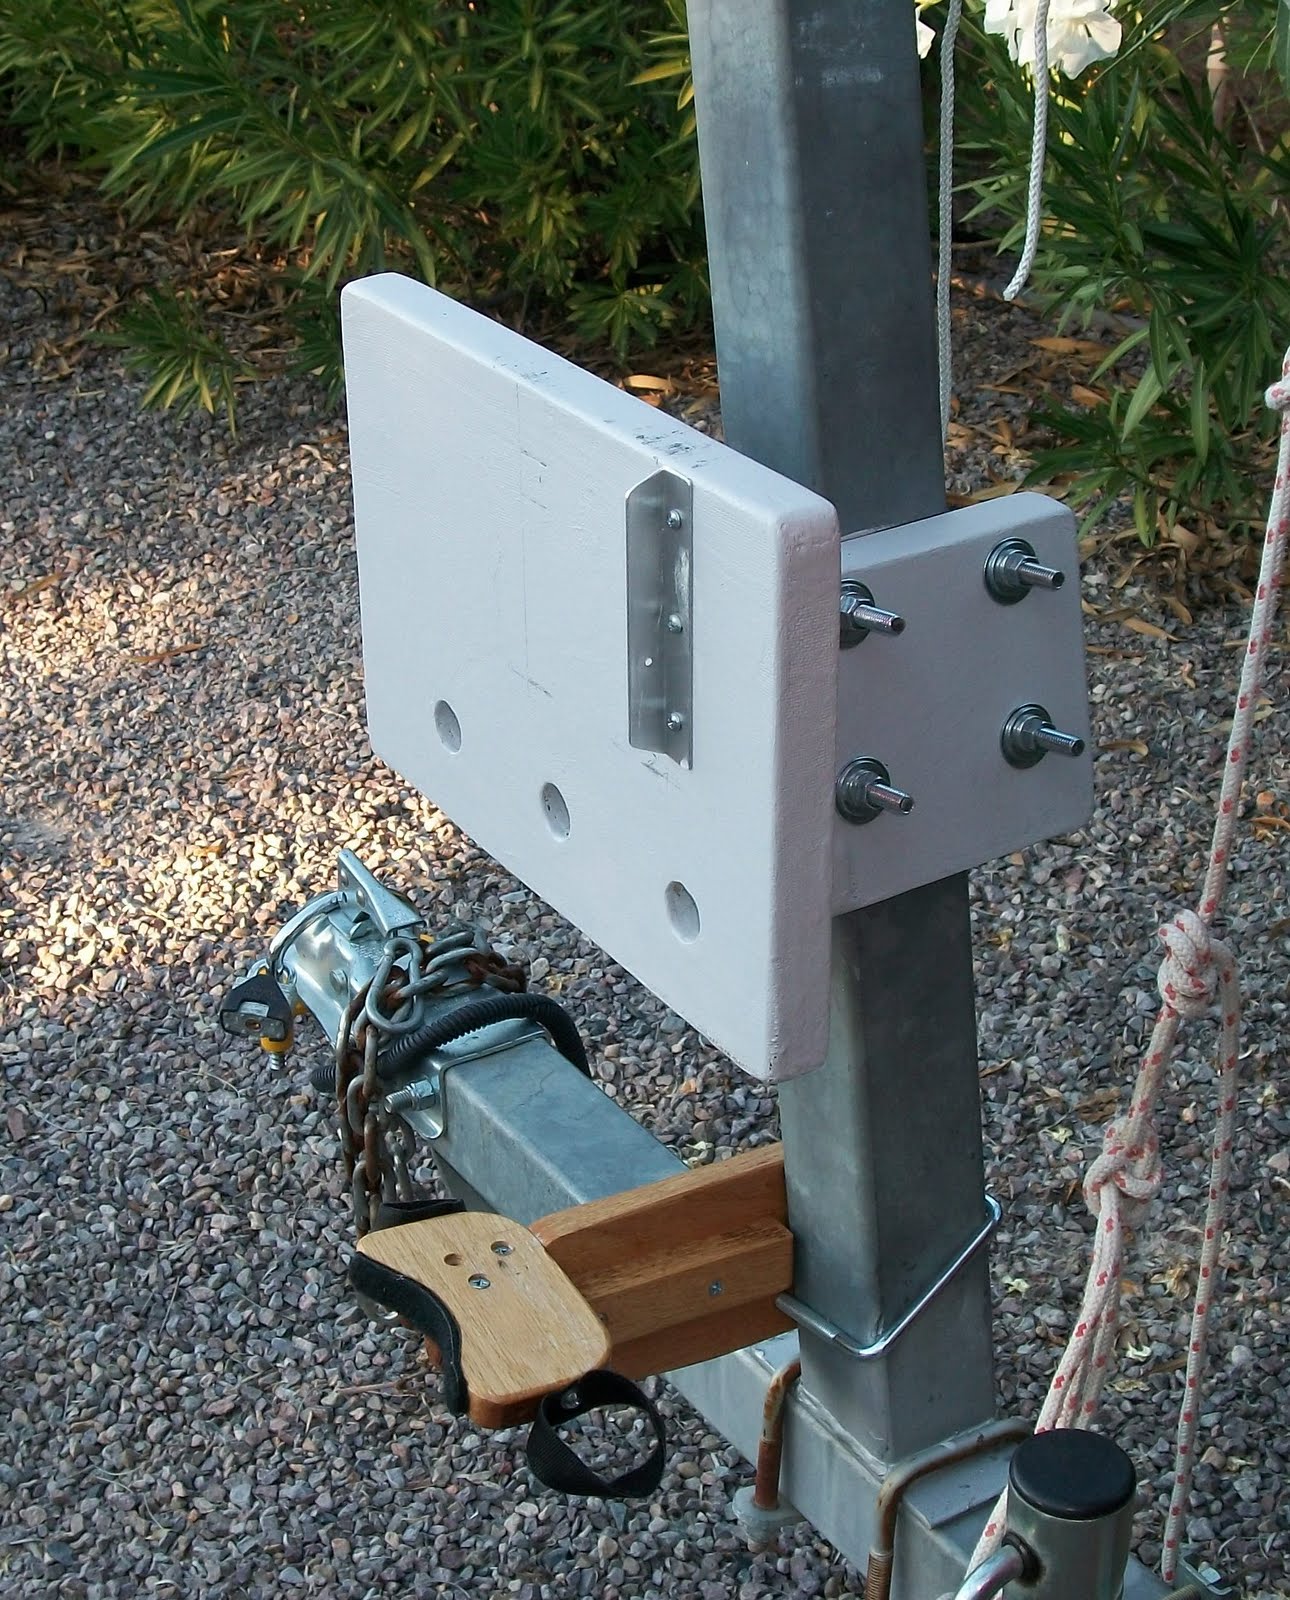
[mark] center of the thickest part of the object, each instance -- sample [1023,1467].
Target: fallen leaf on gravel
[155,657]
[1062,345]
[1101,1105]
[1152,631]
[1087,397]
[1136,745]
[993,491]
[644,380]
[35,588]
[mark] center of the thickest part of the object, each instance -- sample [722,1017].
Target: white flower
[924,34]
[1080,32]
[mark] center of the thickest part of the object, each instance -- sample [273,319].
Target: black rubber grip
[553,1462]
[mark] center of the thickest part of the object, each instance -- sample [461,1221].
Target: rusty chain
[376,1150]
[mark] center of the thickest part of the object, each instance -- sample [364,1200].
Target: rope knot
[1188,976]
[1277,396]
[1130,1160]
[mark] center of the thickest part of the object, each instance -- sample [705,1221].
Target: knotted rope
[1197,971]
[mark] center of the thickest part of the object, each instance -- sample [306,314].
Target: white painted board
[490,478]
[931,704]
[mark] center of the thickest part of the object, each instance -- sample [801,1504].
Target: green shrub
[536,157]
[525,154]
[1172,217]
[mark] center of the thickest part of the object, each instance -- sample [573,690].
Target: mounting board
[492,483]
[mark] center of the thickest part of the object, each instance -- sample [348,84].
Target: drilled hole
[682,912]
[447,726]
[452,1259]
[555,811]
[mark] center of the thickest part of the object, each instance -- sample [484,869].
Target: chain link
[376,1149]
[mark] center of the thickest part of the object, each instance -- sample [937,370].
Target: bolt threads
[864,791]
[1012,570]
[1062,744]
[1028,735]
[859,617]
[1035,575]
[412,1095]
[886,798]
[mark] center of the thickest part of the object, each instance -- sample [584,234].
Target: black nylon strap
[427,1314]
[552,1462]
[393,1213]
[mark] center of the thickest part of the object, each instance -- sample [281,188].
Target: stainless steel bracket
[813,1322]
[660,600]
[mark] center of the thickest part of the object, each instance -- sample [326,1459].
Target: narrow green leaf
[1200,411]
[1145,396]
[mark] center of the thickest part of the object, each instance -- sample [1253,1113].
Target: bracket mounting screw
[1028,735]
[864,791]
[422,1092]
[675,722]
[858,617]
[1012,570]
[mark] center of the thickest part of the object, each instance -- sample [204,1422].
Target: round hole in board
[555,811]
[447,726]
[682,912]
[452,1259]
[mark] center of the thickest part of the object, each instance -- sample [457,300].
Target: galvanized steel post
[814,186]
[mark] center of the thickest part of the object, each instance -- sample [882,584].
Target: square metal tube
[811,147]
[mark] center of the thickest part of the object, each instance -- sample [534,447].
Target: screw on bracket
[1012,570]
[858,617]
[421,1092]
[1028,736]
[864,791]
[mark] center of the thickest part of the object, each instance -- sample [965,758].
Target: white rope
[1120,1184]
[1038,149]
[945,223]
[945,190]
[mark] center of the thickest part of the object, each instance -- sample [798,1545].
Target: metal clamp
[420,1101]
[805,1317]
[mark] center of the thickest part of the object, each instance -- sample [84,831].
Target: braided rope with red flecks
[1120,1184]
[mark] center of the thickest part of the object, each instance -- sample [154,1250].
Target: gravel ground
[193,1405]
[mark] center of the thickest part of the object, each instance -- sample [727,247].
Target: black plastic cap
[1071,1474]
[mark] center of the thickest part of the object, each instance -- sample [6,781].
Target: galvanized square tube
[814,189]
